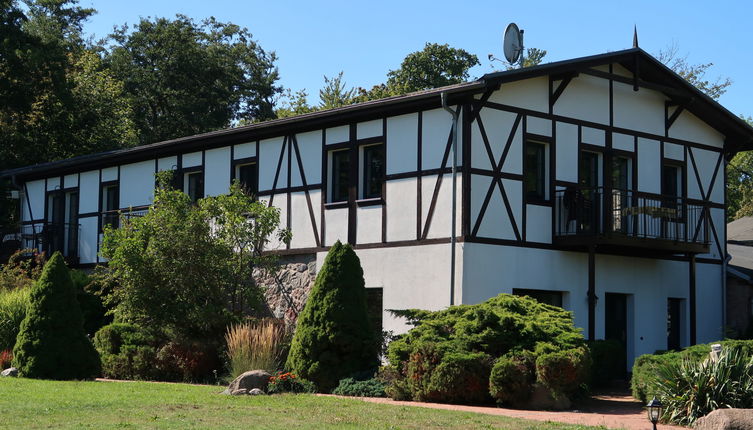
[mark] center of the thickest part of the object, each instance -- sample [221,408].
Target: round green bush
[51,343]
[460,377]
[334,339]
[563,371]
[512,378]
[607,361]
[127,352]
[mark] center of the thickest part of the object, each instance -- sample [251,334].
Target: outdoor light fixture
[653,408]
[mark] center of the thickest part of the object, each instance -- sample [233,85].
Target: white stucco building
[597,184]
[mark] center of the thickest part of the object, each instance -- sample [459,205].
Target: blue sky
[367,39]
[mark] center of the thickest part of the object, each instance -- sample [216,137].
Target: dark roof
[651,73]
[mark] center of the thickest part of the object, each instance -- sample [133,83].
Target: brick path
[613,410]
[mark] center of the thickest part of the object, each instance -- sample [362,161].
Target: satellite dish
[512,44]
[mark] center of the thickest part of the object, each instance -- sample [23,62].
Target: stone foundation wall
[287,290]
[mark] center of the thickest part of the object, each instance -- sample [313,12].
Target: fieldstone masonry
[287,290]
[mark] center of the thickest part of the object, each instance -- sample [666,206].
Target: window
[246,175]
[373,171]
[110,205]
[194,185]
[363,170]
[553,298]
[340,168]
[534,171]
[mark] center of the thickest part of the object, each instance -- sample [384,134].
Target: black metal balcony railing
[51,237]
[112,218]
[613,216]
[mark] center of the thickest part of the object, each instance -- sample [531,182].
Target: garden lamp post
[653,408]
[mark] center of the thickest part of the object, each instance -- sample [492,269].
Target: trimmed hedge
[645,367]
[453,355]
[608,359]
[352,387]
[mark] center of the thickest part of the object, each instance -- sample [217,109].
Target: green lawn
[26,403]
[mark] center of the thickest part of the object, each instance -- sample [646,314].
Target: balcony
[632,222]
[52,237]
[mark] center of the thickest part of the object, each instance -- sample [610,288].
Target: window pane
[195,186]
[111,198]
[670,182]
[620,173]
[247,178]
[535,170]
[340,175]
[373,171]
[589,169]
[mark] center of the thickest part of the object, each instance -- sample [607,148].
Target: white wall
[689,127]
[310,148]
[402,138]
[88,192]
[586,97]
[401,209]
[136,184]
[217,171]
[269,156]
[529,94]
[492,269]
[411,277]
[641,110]
[35,195]
[87,239]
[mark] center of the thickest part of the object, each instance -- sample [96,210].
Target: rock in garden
[11,371]
[726,419]
[256,392]
[250,380]
[241,392]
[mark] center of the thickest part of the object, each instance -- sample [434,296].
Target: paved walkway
[612,410]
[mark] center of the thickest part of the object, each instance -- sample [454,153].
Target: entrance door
[674,315]
[616,321]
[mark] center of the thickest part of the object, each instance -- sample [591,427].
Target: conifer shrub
[430,360]
[608,359]
[51,343]
[333,339]
[127,352]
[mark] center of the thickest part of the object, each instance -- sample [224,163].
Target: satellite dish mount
[512,44]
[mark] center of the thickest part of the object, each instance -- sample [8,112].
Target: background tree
[333,339]
[532,57]
[334,94]
[434,66]
[184,77]
[51,343]
[693,73]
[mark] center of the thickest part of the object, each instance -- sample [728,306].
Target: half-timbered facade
[595,184]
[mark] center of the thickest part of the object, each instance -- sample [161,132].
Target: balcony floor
[623,244]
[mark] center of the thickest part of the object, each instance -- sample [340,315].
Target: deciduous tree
[185,77]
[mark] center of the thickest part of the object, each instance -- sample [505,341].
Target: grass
[27,403]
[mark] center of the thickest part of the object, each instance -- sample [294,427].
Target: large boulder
[726,419]
[250,380]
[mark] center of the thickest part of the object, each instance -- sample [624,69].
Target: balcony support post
[692,298]
[592,293]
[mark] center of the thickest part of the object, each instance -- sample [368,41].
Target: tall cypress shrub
[51,343]
[333,339]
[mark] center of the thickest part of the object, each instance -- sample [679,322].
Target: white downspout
[454,193]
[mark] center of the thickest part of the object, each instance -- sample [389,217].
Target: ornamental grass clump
[13,305]
[691,389]
[255,345]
